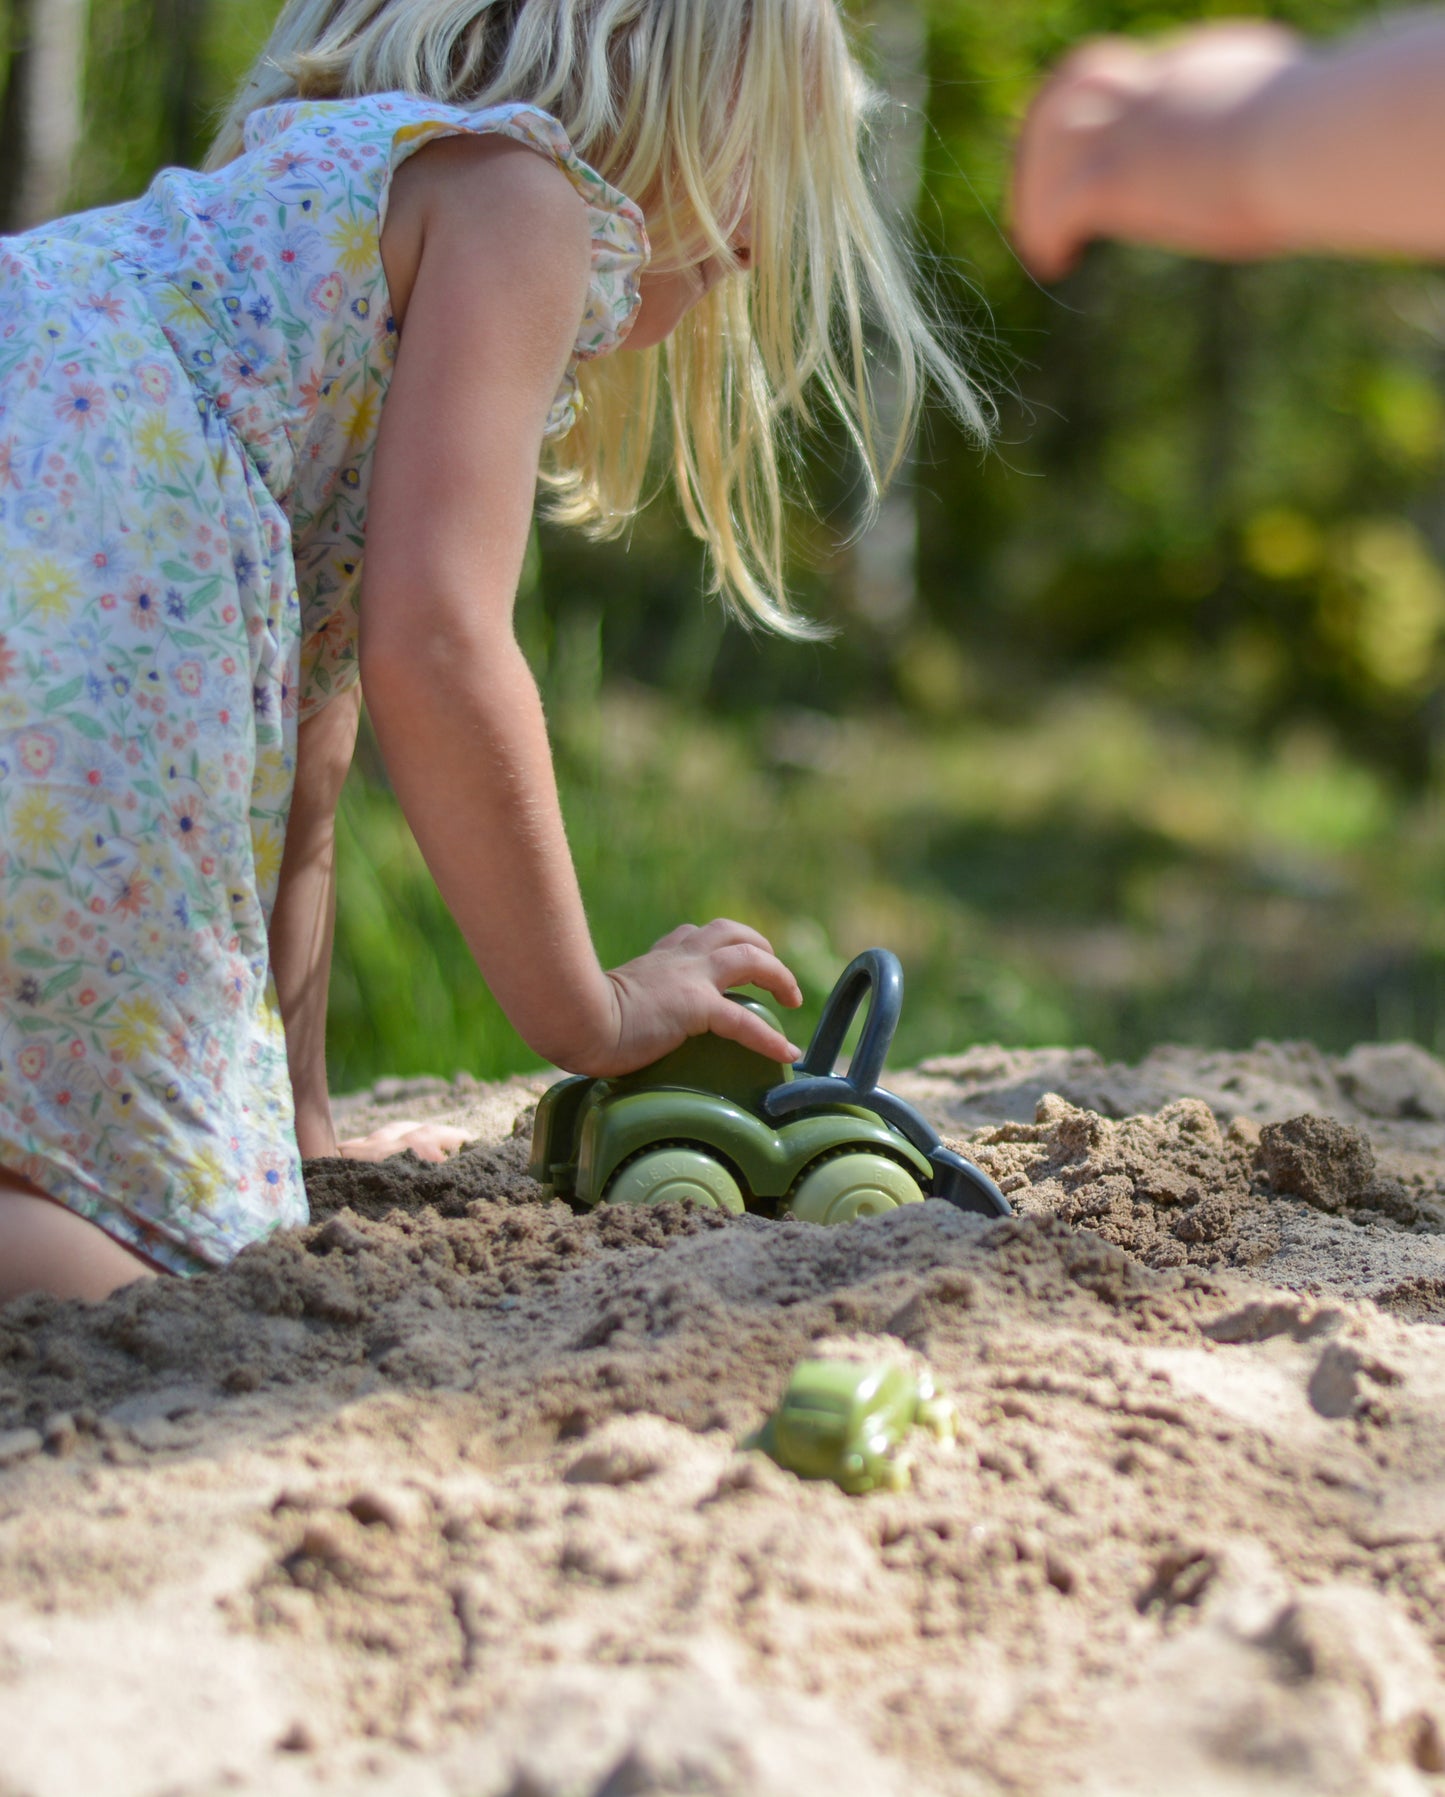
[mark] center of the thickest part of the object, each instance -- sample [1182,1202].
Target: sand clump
[1176,1189]
[443,1494]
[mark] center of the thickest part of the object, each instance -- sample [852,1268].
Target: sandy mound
[442,1495]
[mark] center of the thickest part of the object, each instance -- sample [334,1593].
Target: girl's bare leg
[46,1248]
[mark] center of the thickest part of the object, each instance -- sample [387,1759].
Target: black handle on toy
[877,976]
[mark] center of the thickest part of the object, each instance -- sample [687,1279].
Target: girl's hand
[676,990]
[1152,143]
[428,1141]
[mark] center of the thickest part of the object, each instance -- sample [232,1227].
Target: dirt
[443,1495]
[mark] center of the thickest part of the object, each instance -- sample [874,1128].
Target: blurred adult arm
[1239,141]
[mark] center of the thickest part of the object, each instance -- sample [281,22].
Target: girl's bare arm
[302,926]
[305,910]
[1239,141]
[487,252]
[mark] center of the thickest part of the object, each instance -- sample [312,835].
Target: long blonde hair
[696,108]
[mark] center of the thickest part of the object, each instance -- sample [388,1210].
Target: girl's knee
[46,1248]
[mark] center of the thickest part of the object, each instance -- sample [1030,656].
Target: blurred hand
[676,990]
[1149,143]
[428,1141]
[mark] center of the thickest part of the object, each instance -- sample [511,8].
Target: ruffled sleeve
[620,248]
[308,337]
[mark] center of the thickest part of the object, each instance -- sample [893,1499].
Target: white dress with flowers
[190,387]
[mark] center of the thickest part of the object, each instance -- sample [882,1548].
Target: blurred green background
[1132,728]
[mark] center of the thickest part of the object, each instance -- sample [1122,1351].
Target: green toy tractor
[718,1124]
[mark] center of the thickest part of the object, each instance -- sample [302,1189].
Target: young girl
[400,294]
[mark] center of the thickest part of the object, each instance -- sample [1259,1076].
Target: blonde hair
[698,109]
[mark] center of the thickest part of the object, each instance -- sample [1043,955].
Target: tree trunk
[885,557]
[181,26]
[40,113]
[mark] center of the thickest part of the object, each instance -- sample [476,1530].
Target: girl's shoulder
[345,149]
[345,125]
[352,136]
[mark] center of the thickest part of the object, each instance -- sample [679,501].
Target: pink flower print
[272,1168]
[134,896]
[8,663]
[37,750]
[325,296]
[108,556]
[8,476]
[144,602]
[82,404]
[190,677]
[33,1060]
[245,365]
[301,250]
[186,819]
[234,984]
[105,305]
[289,162]
[154,380]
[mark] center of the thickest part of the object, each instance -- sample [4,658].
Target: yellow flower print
[271,783]
[266,846]
[44,907]
[49,587]
[137,1027]
[354,240]
[206,1179]
[361,423]
[38,824]
[179,308]
[160,443]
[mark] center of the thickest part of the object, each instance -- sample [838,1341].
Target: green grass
[1087,874]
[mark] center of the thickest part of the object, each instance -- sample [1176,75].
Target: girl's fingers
[726,932]
[435,1141]
[738,1024]
[676,990]
[428,1141]
[744,965]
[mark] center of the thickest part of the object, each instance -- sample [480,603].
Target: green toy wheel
[676,1173]
[853,1185]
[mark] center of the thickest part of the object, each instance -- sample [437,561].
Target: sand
[443,1495]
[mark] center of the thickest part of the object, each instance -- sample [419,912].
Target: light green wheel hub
[853,1185]
[676,1173]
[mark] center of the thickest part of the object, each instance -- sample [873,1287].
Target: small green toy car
[719,1124]
[842,1421]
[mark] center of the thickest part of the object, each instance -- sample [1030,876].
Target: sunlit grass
[1092,874]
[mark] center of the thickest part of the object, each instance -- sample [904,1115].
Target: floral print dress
[190,387]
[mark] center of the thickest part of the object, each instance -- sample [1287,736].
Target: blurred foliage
[1157,750]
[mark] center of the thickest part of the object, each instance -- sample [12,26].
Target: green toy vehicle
[842,1421]
[719,1124]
